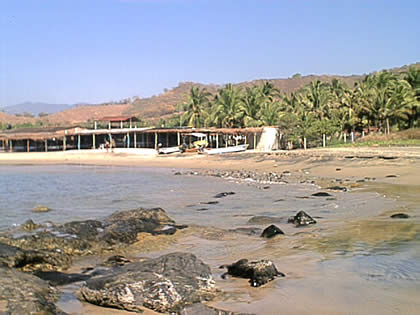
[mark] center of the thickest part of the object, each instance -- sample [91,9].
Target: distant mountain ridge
[35,108]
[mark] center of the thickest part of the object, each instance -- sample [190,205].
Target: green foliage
[384,100]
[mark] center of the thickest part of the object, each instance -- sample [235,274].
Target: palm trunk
[387,126]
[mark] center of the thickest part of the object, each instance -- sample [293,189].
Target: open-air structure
[125,135]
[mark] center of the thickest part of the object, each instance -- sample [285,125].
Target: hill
[164,105]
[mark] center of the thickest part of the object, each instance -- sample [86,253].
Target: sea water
[354,260]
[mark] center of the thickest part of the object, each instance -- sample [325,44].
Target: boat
[237,148]
[168,150]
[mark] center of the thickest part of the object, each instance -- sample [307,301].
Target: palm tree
[195,105]
[228,102]
[412,76]
[251,106]
[317,98]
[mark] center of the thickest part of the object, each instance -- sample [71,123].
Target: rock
[321,194]
[271,231]
[177,173]
[264,219]
[14,257]
[391,176]
[259,272]
[301,219]
[29,225]
[201,309]
[41,209]
[164,284]
[338,169]
[209,203]
[59,278]
[224,194]
[22,293]
[247,231]
[338,188]
[86,230]
[279,200]
[202,209]
[400,216]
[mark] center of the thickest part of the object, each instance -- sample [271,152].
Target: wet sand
[354,260]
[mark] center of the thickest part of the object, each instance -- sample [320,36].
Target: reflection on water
[354,260]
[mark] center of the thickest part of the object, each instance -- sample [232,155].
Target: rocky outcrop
[58,242]
[22,293]
[259,272]
[164,284]
[271,231]
[301,219]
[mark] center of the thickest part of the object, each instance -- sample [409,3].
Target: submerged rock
[41,209]
[59,278]
[271,231]
[301,219]
[22,293]
[321,194]
[224,194]
[164,284]
[201,309]
[400,216]
[264,219]
[259,272]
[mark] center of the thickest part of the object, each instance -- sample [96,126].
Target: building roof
[118,118]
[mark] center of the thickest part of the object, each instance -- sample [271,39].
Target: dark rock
[400,216]
[202,209]
[279,200]
[259,272]
[86,230]
[29,225]
[247,231]
[302,197]
[271,231]
[59,278]
[264,219]
[301,219]
[209,203]
[22,293]
[177,173]
[360,181]
[338,169]
[224,194]
[266,187]
[201,309]
[391,176]
[164,284]
[338,188]
[321,194]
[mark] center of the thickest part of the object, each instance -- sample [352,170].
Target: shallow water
[354,260]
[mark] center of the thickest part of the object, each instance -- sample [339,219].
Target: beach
[355,259]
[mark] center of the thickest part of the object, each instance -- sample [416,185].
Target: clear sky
[69,51]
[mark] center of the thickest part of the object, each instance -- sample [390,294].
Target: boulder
[271,231]
[400,216]
[164,284]
[22,293]
[301,219]
[259,272]
[14,257]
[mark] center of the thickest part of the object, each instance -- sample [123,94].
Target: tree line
[385,100]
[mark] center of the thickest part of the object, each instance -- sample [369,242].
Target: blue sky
[69,51]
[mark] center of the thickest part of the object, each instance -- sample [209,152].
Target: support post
[130,123]
[217,140]
[78,142]
[226,140]
[109,125]
[64,143]
[93,141]
[178,137]
[135,140]
[167,140]
[96,124]
[121,124]
[345,137]
[304,143]
[352,136]
[11,145]
[128,139]
[46,145]
[323,140]
[236,140]
[156,141]
[255,140]
[27,145]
